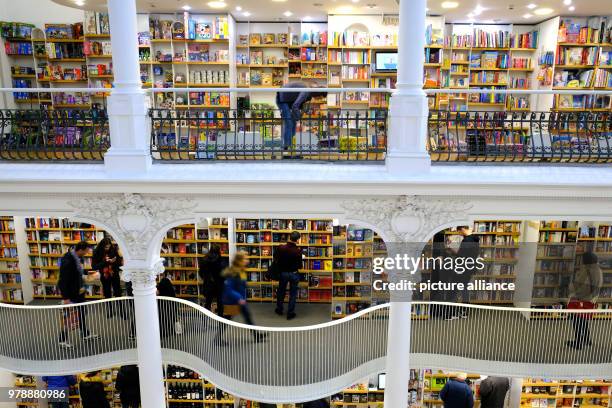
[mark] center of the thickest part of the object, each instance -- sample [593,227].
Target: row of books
[575,33]
[576,55]
[603,79]
[526,40]
[489,60]
[349,38]
[573,79]
[64,50]
[520,63]
[487,77]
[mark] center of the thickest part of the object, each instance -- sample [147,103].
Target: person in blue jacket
[59,382]
[456,393]
[234,289]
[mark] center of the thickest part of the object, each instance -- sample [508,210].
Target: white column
[127,105]
[147,333]
[398,354]
[407,151]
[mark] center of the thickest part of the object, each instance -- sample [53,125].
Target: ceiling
[491,11]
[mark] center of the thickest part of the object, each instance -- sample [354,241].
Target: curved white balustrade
[300,363]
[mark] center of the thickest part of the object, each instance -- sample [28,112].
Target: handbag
[577,304]
[273,272]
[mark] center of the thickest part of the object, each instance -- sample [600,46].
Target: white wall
[547,41]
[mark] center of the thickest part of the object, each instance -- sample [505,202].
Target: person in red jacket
[288,259]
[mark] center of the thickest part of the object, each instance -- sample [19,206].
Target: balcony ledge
[312,178]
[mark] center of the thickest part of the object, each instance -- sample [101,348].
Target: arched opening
[334,279]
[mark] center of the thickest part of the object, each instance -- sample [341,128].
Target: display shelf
[48,240]
[260,237]
[10,279]
[182,248]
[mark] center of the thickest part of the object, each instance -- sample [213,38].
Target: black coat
[98,261]
[469,248]
[210,270]
[493,392]
[70,280]
[288,257]
[92,394]
[165,288]
[128,383]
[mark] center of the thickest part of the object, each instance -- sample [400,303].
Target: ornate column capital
[133,219]
[142,274]
[407,218]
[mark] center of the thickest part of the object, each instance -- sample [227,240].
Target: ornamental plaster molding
[143,276]
[133,219]
[407,218]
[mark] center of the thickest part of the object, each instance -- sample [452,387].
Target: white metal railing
[300,363]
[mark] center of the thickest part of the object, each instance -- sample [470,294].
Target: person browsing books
[71,287]
[128,385]
[291,105]
[210,269]
[493,391]
[107,261]
[456,393]
[288,259]
[468,249]
[584,290]
[59,382]
[91,390]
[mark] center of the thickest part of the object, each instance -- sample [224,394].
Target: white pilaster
[407,151]
[398,354]
[147,332]
[127,105]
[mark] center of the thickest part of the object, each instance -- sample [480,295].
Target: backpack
[273,272]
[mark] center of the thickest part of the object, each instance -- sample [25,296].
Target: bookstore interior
[216,50]
[338,272]
[187,49]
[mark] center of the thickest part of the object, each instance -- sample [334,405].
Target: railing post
[407,150]
[127,105]
[147,331]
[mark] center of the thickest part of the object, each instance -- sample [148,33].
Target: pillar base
[127,162]
[402,164]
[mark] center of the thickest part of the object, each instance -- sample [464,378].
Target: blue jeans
[289,124]
[291,278]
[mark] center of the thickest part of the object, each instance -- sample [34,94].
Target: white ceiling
[493,11]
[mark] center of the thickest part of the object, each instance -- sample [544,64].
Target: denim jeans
[289,124]
[292,279]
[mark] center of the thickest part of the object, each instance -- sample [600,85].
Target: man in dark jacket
[493,392]
[456,393]
[291,105]
[91,390]
[468,249]
[320,403]
[210,268]
[70,285]
[288,259]
[128,385]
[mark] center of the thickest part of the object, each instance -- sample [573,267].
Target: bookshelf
[582,61]
[182,248]
[352,273]
[25,382]
[180,52]
[48,240]
[537,392]
[185,388]
[260,237]
[10,275]
[499,245]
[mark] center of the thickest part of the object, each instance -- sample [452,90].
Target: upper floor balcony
[216,132]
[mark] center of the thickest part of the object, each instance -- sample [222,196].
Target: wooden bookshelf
[48,240]
[259,238]
[499,244]
[538,392]
[10,275]
[183,386]
[182,248]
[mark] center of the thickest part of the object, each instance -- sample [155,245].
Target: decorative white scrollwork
[135,218]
